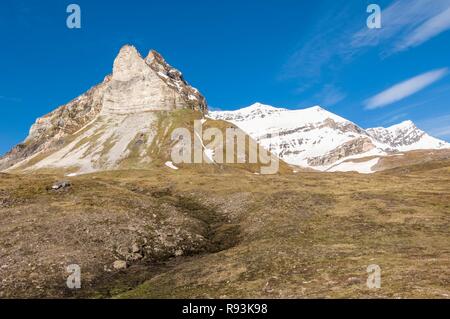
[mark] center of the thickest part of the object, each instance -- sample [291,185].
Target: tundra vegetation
[202,232]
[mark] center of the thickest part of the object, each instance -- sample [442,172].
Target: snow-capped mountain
[318,139]
[405,137]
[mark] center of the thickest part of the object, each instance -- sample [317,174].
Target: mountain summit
[141,85]
[318,139]
[406,136]
[112,121]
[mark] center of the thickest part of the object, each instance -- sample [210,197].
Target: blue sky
[292,54]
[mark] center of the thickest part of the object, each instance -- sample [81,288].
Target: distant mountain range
[317,139]
[126,122]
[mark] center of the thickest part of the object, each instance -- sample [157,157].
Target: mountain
[318,139]
[126,122]
[101,128]
[405,137]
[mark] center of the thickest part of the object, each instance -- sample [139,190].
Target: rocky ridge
[136,86]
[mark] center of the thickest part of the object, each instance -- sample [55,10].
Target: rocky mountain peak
[175,80]
[150,84]
[154,55]
[317,108]
[128,64]
[406,136]
[122,107]
[405,125]
[258,105]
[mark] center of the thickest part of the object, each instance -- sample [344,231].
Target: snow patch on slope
[360,167]
[170,165]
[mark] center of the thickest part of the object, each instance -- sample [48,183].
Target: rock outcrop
[353,147]
[141,85]
[136,86]
[50,131]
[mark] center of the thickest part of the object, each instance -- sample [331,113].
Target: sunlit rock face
[136,87]
[113,115]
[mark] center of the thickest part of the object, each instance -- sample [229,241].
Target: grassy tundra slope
[201,234]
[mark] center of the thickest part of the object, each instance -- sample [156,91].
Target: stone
[120,265]
[61,185]
[135,248]
[354,147]
[354,280]
[134,257]
[179,253]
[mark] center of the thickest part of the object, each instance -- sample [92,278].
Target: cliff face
[190,96]
[150,84]
[137,85]
[50,130]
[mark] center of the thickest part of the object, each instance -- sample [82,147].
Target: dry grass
[242,235]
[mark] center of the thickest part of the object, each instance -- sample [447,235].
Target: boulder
[120,265]
[61,185]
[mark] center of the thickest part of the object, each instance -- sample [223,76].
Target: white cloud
[404,89]
[323,40]
[330,95]
[427,30]
[338,37]
[406,24]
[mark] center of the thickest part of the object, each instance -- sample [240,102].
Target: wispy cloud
[330,95]
[438,126]
[338,37]
[404,89]
[406,24]
[393,115]
[395,118]
[427,30]
[322,43]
